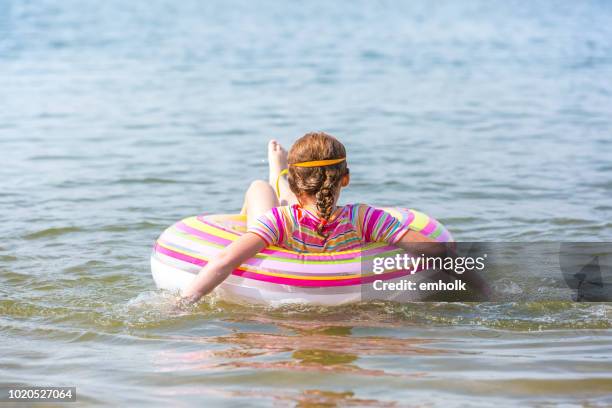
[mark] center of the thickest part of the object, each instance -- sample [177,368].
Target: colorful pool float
[276,275]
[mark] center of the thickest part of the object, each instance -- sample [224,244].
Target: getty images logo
[587,269]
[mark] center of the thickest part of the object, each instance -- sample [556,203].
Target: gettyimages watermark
[458,264]
[495,272]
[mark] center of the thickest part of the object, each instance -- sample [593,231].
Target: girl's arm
[219,268]
[417,244]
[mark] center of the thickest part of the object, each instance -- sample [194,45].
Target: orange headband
[319,163]
[315,163]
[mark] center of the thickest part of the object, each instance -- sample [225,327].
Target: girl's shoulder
[294,213]
[359,207]
[355,212]
[361,213]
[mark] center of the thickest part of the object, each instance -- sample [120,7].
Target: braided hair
[323,182]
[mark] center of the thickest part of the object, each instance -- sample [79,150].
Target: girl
[302,214]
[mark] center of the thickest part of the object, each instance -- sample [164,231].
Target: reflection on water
[316,349]
[302,359]
[301,399]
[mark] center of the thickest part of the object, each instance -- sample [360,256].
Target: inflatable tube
[276,275]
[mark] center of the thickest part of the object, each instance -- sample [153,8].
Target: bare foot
[277,161]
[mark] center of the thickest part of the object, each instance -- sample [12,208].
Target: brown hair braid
[323,182]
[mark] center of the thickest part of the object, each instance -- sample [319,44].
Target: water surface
[119,118]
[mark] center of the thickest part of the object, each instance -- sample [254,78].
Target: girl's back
[350,226]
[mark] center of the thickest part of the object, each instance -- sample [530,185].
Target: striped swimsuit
[295,228]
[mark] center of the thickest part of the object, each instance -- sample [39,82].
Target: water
[119,118]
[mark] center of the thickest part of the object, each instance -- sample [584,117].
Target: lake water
[119,118]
